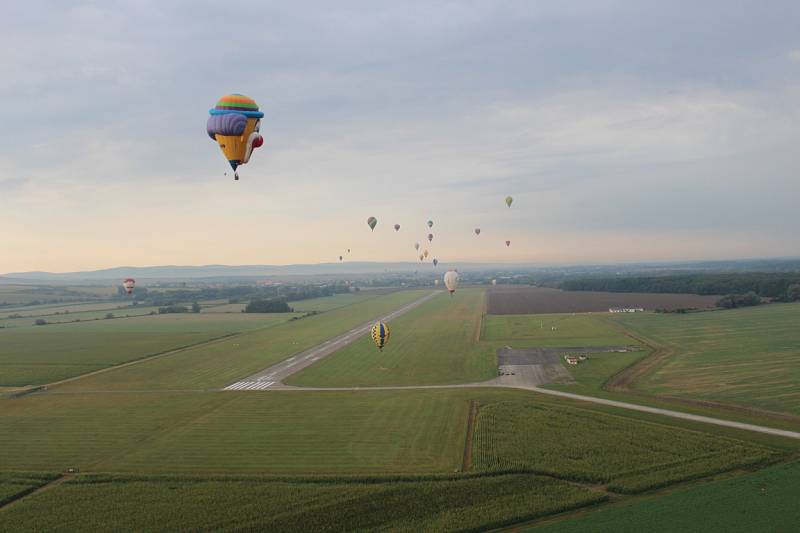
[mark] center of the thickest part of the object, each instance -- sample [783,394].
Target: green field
[763,501]
[326,303]
[42,354]
[581,329]
[748,356]
[22,295]
[435,343]
[630,456]
[14,485]
[181,504]
[220,364]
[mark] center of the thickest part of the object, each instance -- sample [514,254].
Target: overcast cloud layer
[624,130]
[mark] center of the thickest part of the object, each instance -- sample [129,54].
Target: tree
[40,322]
[793,292]
[267,306]
[195,307]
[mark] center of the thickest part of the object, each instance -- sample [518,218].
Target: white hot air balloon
[494,282]
[128,285]
[451,280]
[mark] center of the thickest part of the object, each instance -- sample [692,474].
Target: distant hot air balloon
[436,282]
[435,261]
[477,231]
[128,285]
[234,123]
[421,257]
[508,243]
[430,223]
[397,227]
[416,246]
[451,280]
[425,253]
[348,250]
[372,222]
[494,282]
[340,258]
[430,237]
[509,200]
[380,334]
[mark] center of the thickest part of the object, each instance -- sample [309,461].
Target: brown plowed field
[523,300]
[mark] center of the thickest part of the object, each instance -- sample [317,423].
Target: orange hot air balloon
[235,123]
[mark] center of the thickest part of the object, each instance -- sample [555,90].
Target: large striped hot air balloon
[380,334]
[234,123]
[128,285]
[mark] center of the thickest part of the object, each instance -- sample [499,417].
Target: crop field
[585,446]
[327,303]
[16,484]
[537,330]
[748,357]
[219,364]
[520,300]
[11,295]
[762,501]
[285,505]
[42,354]
[80,316]
[436,343]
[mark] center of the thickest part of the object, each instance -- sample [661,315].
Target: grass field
[328,303]
[21,295]
[42,354]
[16,484]
[146,504]
[745,356]
[762,501]
[586,446]
[536,330]
[219,364]
[435,343]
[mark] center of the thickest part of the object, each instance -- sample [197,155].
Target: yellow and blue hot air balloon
[380,334]
[235,123]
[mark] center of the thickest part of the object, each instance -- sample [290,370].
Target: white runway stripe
[250,385]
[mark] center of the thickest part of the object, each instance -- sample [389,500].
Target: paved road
[272,377]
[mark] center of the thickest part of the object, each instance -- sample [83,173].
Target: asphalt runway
[272,377]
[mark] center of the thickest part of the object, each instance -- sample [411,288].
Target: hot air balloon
[234,123]
[421,257]
[451,280]
[348,250]
[430,223]
[494,282]
[477,231]
[425,254]
[416,246]
[380,334]
[340,258]
[372,222]
[435,261]
[430,237]
[508,243]
[128,285]
[509,200]
[397,227]
[436,282]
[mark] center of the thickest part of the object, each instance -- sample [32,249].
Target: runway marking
[250,385]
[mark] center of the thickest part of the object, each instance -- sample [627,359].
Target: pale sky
[625,130]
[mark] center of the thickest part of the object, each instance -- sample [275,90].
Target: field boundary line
[143,359]
[18,497]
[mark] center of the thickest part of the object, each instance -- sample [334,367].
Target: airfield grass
[761,501]
[749,356]
[522,331]
[100,503]
[575,445]
[221,363]
[43,354]
[436,343]
[327,303]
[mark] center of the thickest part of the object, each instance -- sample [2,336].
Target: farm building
[625,309]
[572,359]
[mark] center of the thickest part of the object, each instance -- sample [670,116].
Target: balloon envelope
[416,246]
[430,237]
[509,200]
[477,231]
[451,280]
[435,261]
[397,227]
[128,285]
[425,253]
[372,222]
[430,223]
[380,334]
[508,243]
[234,123]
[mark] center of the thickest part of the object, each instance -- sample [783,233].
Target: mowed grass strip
[435,343]
[157,505]
[219,364]
[749,357]
[762,501]
[32,356]
[552,330]
[586,446]
[220,432]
